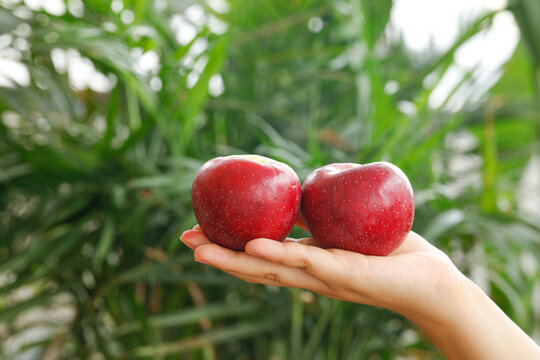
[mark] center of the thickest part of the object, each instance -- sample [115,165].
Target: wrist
[444,308]
[472,326]
[452,316]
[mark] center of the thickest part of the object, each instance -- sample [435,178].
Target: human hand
[417,280]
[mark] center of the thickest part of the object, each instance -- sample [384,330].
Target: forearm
[476,328]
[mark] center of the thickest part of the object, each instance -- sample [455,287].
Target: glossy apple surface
[243,197]
[368,208]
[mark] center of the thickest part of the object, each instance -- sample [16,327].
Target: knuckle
[302,253]
[272,277]
[303,264]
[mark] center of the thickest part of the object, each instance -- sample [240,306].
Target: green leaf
[192,316]
[375,16]
[196,96]
[239,331]
[8,22]
[106,240]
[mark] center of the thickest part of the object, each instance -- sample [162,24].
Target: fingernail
[186,234]
[182,236]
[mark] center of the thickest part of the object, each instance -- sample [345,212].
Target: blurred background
[108,109]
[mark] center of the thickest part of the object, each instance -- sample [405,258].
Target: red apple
[368,208]
[242,197]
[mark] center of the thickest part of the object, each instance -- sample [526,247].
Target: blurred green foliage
[95,181]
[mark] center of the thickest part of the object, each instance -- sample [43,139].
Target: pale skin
[417,280]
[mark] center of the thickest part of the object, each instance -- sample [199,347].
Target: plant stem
[297,319]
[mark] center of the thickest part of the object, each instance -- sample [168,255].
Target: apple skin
[368,208]
[243,197]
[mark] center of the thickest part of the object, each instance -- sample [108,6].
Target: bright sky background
[439,23]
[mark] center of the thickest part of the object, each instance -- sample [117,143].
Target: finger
[258,280]
[194,238]
[321,289]
[320,263]
[197,227]
[328,294]
[256,268]
[413,243]
[254,279]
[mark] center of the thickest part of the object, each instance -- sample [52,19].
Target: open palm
[416,278]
